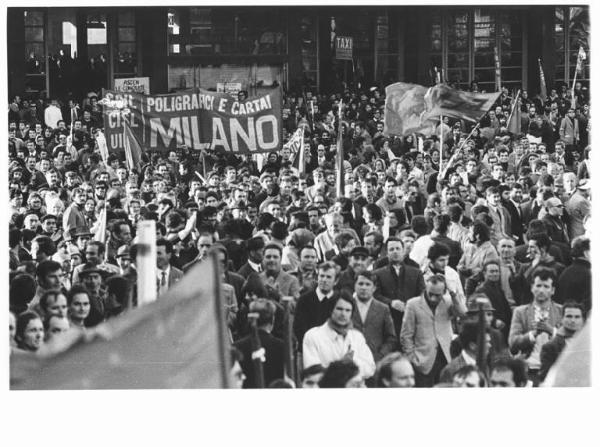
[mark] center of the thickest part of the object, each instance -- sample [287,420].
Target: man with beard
[534,324]
[255,248]
[312,308]
[336,340]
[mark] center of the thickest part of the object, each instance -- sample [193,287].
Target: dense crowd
[388,282]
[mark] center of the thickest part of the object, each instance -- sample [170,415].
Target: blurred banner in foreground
[178,341]
[574,365]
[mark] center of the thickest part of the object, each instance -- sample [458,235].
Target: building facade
[55,52]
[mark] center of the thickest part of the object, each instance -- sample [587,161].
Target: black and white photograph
[239,196]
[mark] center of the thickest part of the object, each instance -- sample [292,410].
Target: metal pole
[288,346]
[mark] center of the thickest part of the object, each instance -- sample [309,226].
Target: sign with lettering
[136,85]
[198,119]
[343,47]
[229,87]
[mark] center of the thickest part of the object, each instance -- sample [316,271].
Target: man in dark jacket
[397,282]
[575,282]
[273,347]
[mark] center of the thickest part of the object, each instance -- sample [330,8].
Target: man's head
[395,371]
[266,313]
[53,302]
[492,195]
[42,247]
[311,376]
[334,223]
[364,286]
[308,258]
[395,250]
[507,249]
[55,326]
[538,245]
[91,277]
[573,317]
[164,250]
[508,373]
[373,243]
[542,286]
[94,252]
[491,271]
[205,241]
[326,277]
[435,288]
[439,255]
[358,259]
[272,258]
[49,274]
[341,311]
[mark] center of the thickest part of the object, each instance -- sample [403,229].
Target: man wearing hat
[357,263]
[492,288]
[94,256]
[577,205]
[255,248]
[92,278]
[468,355]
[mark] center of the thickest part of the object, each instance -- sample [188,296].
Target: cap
[359,251]
[123,251]
[553,201]
[584,184]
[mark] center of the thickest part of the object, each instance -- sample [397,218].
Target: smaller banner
[229,87]
[135,85]
[343,47]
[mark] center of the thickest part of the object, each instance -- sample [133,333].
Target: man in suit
[575,282]
[255,248]
[397,282]
[502,226]
[372,317]
[468,355]
[205,241]
[577,205]
[274,277]
[513,205]
[534,324]
[441,224]
[427,330]
[572,322]
[312,308]
[357,263]
[273,347]
[492,289]
[166,274]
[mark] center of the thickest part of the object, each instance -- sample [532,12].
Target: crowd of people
[387,282]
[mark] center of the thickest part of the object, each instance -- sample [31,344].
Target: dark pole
[481,338]
[258,352]
[289,370]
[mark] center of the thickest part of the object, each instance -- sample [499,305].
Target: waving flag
[543,89]
[133,151]
[176,342]
[581,56]
[412,108]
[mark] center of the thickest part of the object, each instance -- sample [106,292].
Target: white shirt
[322,345]
[321,296]
[420,249]
[162,289]
[256,267]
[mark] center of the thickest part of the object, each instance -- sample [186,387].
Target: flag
[133,151]
[498,76]
[101,140]
[100,233]
[177,342]
[339,160]
[514,120]
[543,89]
[412,108]
[295,143]
[581,56]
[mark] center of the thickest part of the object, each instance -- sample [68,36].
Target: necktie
[163,280]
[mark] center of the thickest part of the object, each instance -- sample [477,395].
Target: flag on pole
[339,160]
[133,151]
[295,143]
[498,76]
[412,108]
[514,120]
[100,233]
[581,56]
[174,343]
[543,89]
[102,146]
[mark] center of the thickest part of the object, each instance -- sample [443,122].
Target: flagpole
[288,346]
[514,106]
[301,162]
[340,154]
[456,152]
[221,325]
[441,143]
